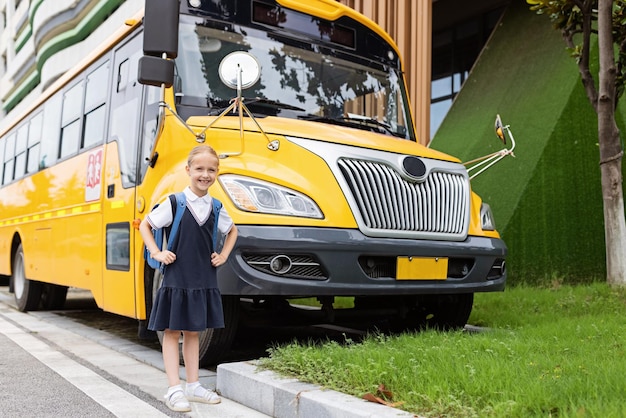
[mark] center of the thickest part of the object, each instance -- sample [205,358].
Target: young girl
[189,300]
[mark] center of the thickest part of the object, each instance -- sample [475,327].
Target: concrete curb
[279,397]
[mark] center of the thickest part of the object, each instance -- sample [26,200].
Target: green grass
[548,352]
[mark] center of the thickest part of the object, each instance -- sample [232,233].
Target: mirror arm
[200,137]
[160,124]
[491,159]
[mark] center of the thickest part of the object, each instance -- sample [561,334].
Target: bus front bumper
[302,261]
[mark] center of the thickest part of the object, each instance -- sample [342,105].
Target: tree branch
[583,64]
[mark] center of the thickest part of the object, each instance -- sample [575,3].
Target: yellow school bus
[321,170]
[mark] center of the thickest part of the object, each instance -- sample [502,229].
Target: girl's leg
[191,355]
[171,356]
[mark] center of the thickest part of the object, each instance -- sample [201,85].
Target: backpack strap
[178,210]
[217,206]
[181,203]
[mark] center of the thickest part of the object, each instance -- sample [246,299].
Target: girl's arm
[229,244]
[145,229]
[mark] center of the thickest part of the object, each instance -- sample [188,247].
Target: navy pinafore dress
[189,299]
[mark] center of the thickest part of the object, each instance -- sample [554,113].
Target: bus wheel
[444,312]
[53,296]
[215,344]
[27,292]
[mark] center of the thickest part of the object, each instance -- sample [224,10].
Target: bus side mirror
[160,28]
[500,129]
[155,71]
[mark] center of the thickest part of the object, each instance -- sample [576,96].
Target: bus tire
[27,292]
[214,344]
[53,296]
[442,312]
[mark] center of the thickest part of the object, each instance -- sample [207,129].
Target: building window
[454,52]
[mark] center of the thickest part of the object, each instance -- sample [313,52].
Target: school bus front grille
[437,207]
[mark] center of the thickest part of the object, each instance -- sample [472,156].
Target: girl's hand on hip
[217,259]
[165,257]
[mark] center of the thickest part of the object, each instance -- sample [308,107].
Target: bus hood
[323,132]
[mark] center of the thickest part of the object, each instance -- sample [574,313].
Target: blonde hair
[201,149]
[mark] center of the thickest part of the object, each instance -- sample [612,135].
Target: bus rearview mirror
[154,71]
[160,28]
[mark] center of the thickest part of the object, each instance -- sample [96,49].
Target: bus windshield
[298,80]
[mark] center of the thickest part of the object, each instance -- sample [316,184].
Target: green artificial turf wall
[547,201]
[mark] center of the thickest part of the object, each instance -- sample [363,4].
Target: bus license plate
[422,268]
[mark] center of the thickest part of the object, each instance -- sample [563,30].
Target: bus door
[120,180]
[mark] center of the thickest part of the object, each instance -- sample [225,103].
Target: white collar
[192,197]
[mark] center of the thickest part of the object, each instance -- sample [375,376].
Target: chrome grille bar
[387,201]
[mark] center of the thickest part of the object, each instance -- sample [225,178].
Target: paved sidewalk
[54,367]
[57,367]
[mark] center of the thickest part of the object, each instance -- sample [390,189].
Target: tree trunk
[611,152]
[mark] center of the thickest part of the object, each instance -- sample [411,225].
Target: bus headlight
[487,220]
[254,195]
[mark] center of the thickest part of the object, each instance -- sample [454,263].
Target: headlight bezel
[250,194]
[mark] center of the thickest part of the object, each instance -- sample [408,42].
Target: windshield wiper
[218,105]
[353,120]
[269,102]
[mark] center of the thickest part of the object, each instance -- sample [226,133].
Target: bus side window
[124,104]
[51,126]
[20,151]
[9,155]
[34,143]
[95,109]
[2,146]
[70,122]
[151,116]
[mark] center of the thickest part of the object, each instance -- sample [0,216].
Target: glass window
[298,81]
[20,151]
[2,144]
[22,139]
[94,127]
[34,131]
[70,138]
[9,159]
[70,122]
[454,52]
[9,152]
[20,165]
[122,77]
[118,246]
[52,128]
[8,172]
[72,104]
[34,138]
[97,83]
[32,165]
